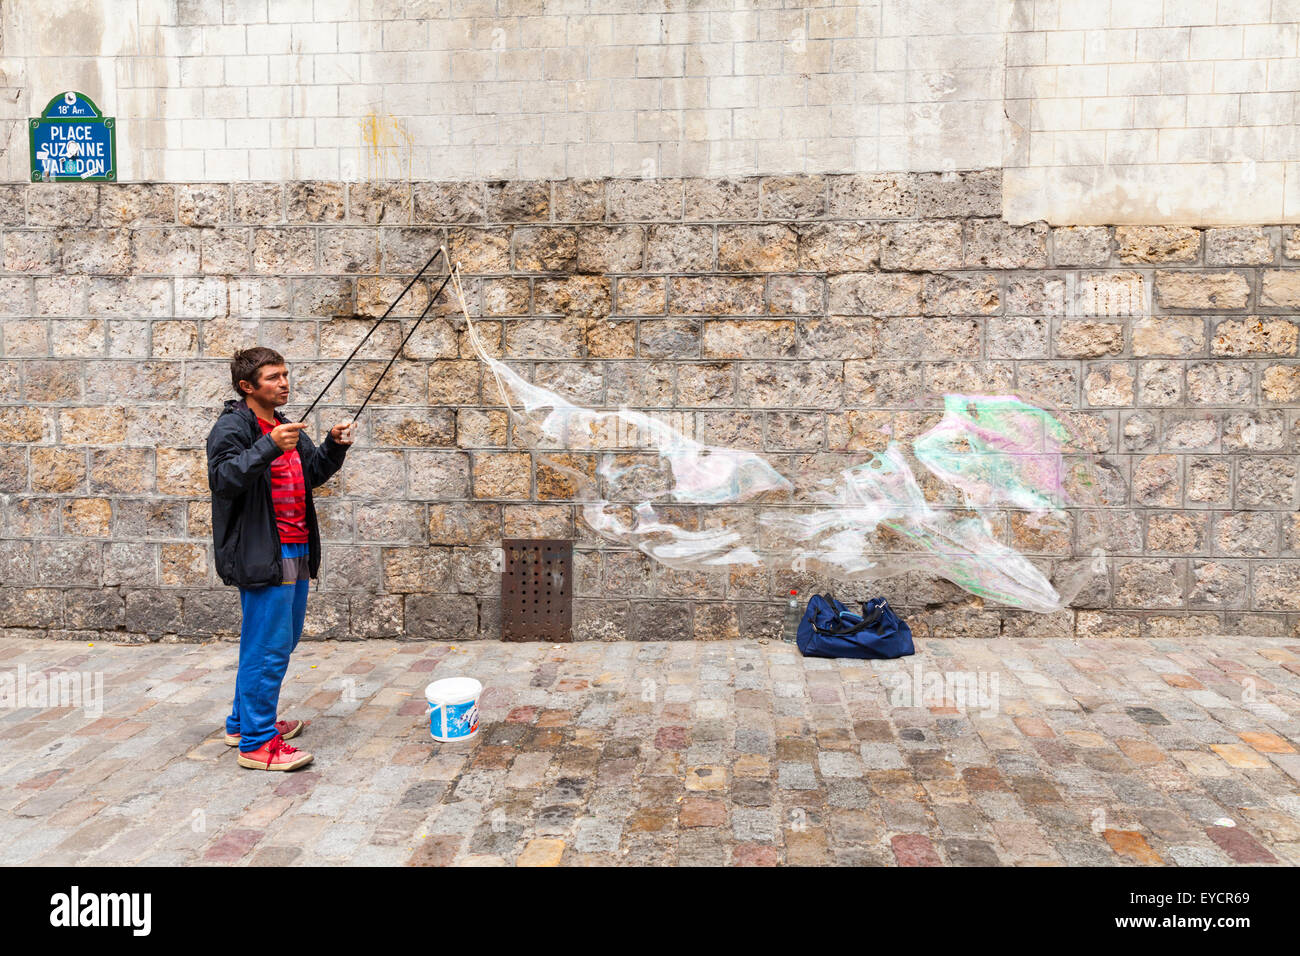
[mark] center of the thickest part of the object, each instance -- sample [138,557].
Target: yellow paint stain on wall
[386,147]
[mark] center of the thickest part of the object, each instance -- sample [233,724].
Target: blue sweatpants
[269,633]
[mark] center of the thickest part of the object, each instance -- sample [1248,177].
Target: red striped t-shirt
[288,493]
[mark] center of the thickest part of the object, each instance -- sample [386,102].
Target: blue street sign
[73,140]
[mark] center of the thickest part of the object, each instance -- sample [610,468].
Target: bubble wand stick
[441,251]
[399,349]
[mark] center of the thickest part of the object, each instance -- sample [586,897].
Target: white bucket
[453,708]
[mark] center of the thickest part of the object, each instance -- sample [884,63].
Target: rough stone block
[765,248]
[1156,481]
[873,196]
[1219,383]
[18,424]
[87,517]
[874,384]
[1168,335]
[1254,431]
[926,245]
[62,204]
[959,194]
[1189,289]
[316,202]
[1149,584]
[35,251]
[1158,243]
[351,250]
[1239,246]
[68,563]
[1256,335]
[834,247]
[641,296]
[1080,339]
[183,565]
[1246,533]
[153,611]
[1161,383]
[502,475]
[1177,533]
[603,249]
[660,621]
[730,199]
[811,384]
[740,339]
[203,204]
[441,617]
[589,296]
[640,200]
[94,608]
[1266,482]
[1208,480]
[379,202]
[717,295]
[1109,384]
[792,197]
[545,249]
[57,471]
[165,251]
[994,244]
[122,470]
[1280,383]
[137,204]
[97,251]
[1277,586]
[31,607]
[964,294]
[581,200]
[130,563]
[281,251]
[375,615]
[1081,246]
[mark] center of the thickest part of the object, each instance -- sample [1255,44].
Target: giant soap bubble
[997,494]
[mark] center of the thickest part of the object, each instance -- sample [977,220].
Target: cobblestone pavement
[1107,752]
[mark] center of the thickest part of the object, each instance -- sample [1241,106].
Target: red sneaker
[275,754]
[288,729]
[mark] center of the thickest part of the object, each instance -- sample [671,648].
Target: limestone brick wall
[790,314]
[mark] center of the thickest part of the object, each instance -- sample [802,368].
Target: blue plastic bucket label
[461,720]
[453,707]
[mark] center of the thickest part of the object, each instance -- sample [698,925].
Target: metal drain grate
[537,590]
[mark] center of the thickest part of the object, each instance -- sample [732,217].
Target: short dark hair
[247,362]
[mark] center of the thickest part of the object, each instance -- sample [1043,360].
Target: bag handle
[875,615]
[846,631]
[868,619]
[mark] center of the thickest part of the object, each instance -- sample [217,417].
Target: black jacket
[245,537]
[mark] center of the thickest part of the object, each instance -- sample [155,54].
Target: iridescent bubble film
[992,492]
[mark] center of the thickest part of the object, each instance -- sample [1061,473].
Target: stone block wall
[791,314]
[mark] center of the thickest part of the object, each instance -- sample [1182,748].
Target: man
[261,469]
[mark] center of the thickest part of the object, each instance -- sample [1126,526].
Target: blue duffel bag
[829,629]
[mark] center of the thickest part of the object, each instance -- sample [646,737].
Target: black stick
[368,334]
[432,299]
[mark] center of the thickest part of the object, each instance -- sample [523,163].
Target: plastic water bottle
[790,627]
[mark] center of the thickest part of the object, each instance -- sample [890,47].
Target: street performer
[261,470]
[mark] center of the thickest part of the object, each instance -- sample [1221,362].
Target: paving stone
[1113,754]
[915,849]
[970,853]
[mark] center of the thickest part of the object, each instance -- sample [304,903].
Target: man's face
[272,386]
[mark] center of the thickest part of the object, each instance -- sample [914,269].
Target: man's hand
[286,435]
[342,434]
